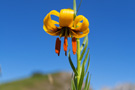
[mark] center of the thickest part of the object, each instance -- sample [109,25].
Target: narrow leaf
[89,83]
[84,41]
[73,85]
[87,65]
[86,57]
[82,54]
[86,82]
[79,6]
[75,81]
[71,63]
[81,78]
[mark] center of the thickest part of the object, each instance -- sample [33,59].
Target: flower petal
[51,32]
[81,26]
[77,34]
[49,24]
[66,18]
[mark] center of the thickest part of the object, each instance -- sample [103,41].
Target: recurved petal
[49,24]
[78,34]
[81,26]
[66,18]
[51,32]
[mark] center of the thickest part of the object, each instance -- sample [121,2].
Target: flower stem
[78,60]
[74,8]
[78,48]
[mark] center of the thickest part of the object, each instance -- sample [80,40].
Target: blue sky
[25,47]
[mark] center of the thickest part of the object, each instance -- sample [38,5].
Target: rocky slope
[126,86]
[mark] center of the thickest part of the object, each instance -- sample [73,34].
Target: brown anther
[74,45]
[57,46]
[65,45]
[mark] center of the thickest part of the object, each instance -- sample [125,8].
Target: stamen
[61,33]
[57,46]
[69,33]
[66,32]
[74,45]
[65,45]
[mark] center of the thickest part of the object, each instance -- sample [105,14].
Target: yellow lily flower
[68,26]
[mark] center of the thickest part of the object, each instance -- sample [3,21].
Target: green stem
[78,60]
[78,48]
[74,8]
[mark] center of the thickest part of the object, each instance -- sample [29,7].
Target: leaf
[81,78]
[89,83]
[87,65]
[79,6]
[73,85]
[82,54]
[86,57]
[86,82]
[75,81]
[71,63]
[84,41]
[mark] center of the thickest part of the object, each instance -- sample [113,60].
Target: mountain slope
[126,86]
[56,81]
